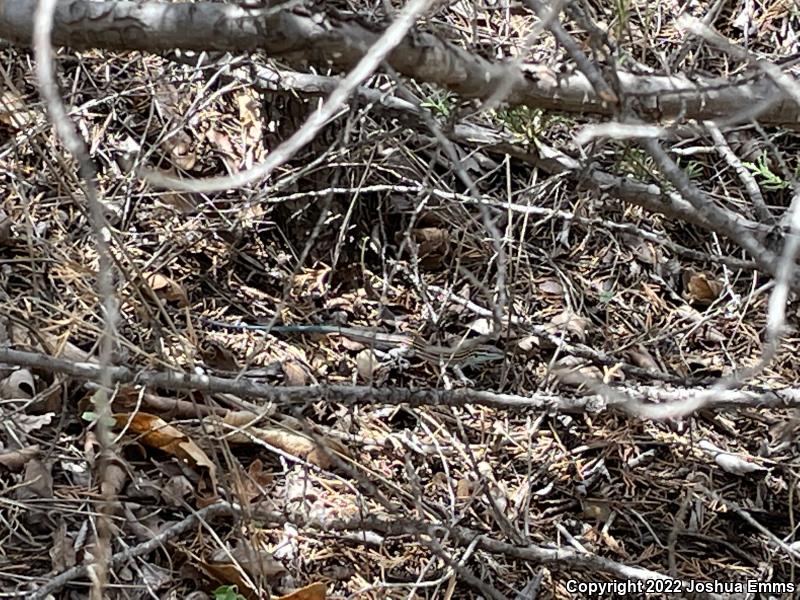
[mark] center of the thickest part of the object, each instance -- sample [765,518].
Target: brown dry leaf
[293,372]
[255,481]
[700,288]
[464,488]
[433,244]
[62,554]
[315,591]
[14,460]
[167,288]
[153,431]
[229,574]
[288,441]
[218,356]
[37,482]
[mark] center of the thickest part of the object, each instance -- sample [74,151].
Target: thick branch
[300,36]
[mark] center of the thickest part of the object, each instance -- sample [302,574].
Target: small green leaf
[227,592]
[92,416]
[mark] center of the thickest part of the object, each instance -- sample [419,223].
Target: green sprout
[768,180]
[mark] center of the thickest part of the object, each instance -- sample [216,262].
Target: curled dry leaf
[19,384]
[153,431]
[167,288]
[366,364]
[288,441]
[30,423]
[700,289]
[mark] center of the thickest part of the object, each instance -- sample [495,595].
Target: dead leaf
[552,287]
[175,490]
[19,384]
[433,244]
[167,288]
[30,423]
[700,288]
[315,591]
[572,322]
[366,364]
[283,439]
[37,481]
[179,148]
[293,372]
[218,356]
[14,460]
[153,431]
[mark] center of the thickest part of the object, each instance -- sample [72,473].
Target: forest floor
[363,473]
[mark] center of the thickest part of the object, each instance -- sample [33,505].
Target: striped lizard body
[466,353]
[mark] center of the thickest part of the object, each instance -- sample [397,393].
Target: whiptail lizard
[466,353]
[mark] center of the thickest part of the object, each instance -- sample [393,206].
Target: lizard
[467,353]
